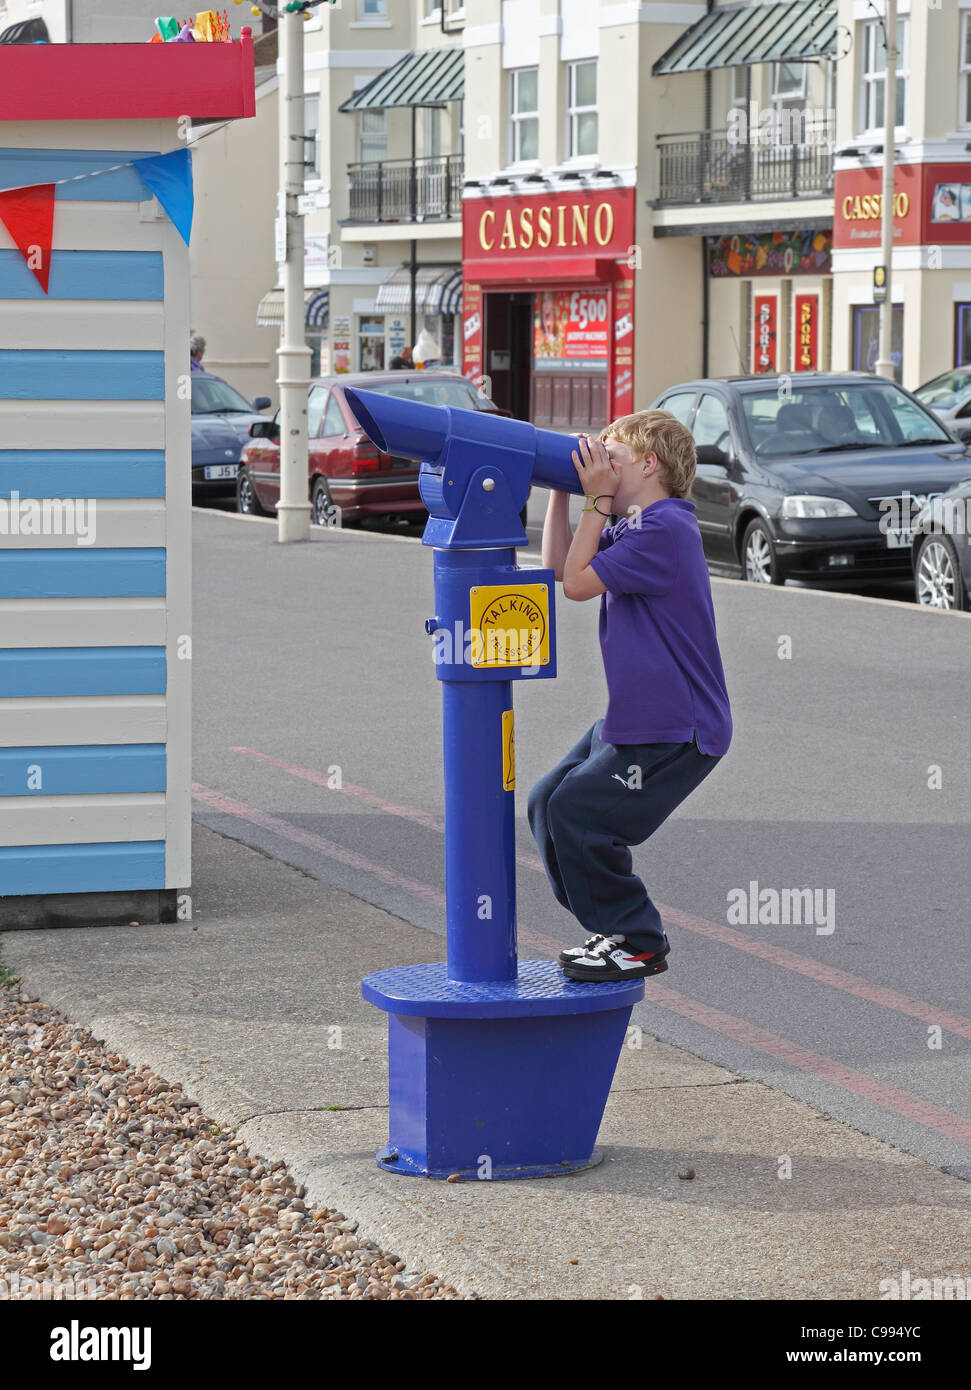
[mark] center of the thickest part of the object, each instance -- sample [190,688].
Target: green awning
[735,36]
[427,77]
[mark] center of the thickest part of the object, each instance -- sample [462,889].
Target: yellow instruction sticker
[508,752]
[510,626]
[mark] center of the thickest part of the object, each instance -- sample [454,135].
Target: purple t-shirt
[657,632]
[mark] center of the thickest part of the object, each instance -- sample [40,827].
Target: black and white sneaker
[572,953]
[614,959]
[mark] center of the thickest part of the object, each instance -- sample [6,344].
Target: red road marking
[776,955]
[900,1102]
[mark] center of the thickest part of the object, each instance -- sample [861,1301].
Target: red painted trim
[126,82]
[513,272]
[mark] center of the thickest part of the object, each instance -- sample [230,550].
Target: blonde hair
[658,432]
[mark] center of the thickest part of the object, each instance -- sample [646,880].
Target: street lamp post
[884,364]
[293,508]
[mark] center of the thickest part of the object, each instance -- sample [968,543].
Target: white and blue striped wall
[94,682]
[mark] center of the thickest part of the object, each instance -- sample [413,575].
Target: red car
[346,470]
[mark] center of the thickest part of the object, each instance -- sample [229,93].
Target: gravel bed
[113,1185]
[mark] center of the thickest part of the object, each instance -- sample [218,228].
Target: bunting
[28,215]
[27,212]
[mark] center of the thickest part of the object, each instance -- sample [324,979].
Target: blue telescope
[477,466]
[497,1069]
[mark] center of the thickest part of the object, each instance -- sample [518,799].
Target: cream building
[601,197]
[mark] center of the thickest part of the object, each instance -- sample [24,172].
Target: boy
[668,720]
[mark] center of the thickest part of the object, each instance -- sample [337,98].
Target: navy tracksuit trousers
[585,815]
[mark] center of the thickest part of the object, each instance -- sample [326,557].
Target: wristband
[608,495]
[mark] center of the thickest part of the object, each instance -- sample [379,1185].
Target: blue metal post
[480,827]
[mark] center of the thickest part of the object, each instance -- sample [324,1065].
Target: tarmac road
[849,775]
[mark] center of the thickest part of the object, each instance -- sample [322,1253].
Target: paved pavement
[240,1006]
[849,775]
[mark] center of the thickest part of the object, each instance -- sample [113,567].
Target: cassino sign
[864,207]
[563,225]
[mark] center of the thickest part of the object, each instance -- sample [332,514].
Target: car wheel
[937,574]
[760,565]
[323,512]
[247,501]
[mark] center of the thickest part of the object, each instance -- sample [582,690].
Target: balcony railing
[428,189]
[705,166]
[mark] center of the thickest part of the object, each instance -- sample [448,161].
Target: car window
[679,405]
[334,422]
[315,410]
[212,396]
[913,422]
[814,418]
[945,391]
[458,392]
[711,423]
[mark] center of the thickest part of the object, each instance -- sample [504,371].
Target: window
[311,130]
[788,101]
[874,65]
[371,343]
[373,9]
[962,327]
[711,423]
[965,69]
[679,405]
[581,110]
[372,136]
[523,114]
[315,409]
[334,422]
[433,130]
[739,93]
[866,338]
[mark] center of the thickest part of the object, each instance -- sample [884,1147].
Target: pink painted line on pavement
[230,807]
[888,1097]
[776,955]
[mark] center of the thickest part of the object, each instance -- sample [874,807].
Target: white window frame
[871,36]
[371,111]
[518,118]
[964,73]
[573,111]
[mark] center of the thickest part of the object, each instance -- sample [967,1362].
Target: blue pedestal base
[498,1080]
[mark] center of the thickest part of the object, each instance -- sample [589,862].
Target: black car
[802,476]
[942,549]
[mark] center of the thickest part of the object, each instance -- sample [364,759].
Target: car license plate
[898,540]
[221,470]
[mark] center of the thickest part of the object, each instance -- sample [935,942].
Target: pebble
[111,1175]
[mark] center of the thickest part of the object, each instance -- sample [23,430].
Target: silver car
[949,397]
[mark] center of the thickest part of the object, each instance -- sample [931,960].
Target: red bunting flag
[28,215]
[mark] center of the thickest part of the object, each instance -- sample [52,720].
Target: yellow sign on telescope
[510,625]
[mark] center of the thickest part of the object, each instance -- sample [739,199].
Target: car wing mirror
[713,456]
[261,402]
[264,429]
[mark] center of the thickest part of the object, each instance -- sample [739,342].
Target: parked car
[949,397]
[798,476]
[942,549]
[346,471]
[221,420]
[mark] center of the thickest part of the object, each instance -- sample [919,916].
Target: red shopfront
[548,304]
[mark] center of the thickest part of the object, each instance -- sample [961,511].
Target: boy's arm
[580,580]
[557,532]
[597,476]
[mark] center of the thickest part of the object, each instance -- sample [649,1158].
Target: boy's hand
[598,475]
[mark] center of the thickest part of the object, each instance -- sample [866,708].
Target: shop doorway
[508,351]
